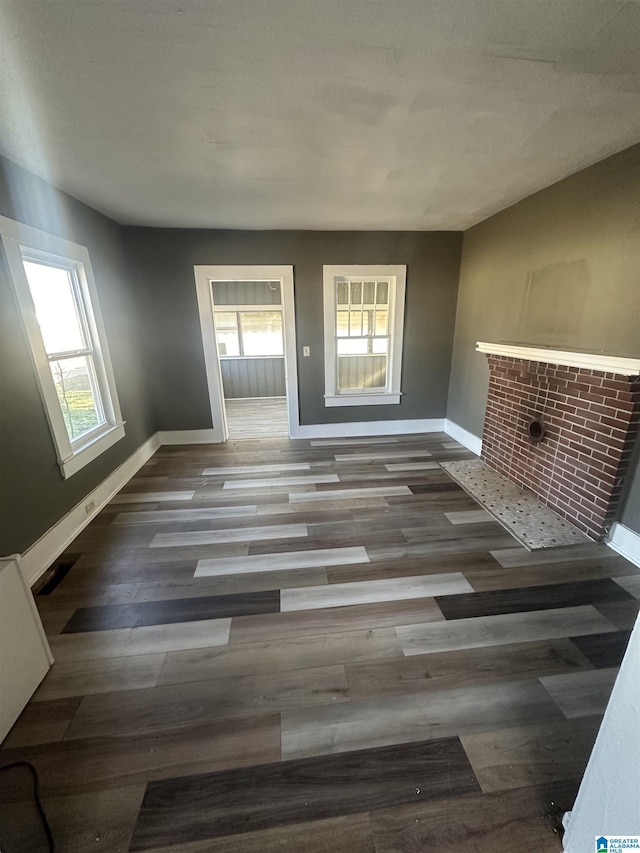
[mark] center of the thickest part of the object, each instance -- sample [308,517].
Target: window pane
[356,346]
[362,372]
[227,333]
[246,292]
[369,292]
[382,295]
[56,310]
[342,324]
[342,293]
[382,321]
[355,323]
[262,333]
[380,345]
[356,292]
[78,395]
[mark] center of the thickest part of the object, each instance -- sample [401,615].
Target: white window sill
[384,399]
[91,450]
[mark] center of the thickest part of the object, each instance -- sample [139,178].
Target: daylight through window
[55,292]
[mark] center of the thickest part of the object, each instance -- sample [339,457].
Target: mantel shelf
[621,365]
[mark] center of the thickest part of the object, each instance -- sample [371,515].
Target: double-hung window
[54,287]
[363,319]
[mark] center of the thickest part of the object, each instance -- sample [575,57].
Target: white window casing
[373,343]
[22,243]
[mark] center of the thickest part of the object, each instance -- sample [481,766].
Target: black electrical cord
[36,797]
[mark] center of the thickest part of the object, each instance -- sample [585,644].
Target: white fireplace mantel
[587,360]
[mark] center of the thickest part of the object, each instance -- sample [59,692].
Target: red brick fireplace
[562,425]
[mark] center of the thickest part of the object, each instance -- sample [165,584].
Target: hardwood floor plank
[176,610]
[581,694]
[152,639]
[447,670]
[510,558]
[147,497]
[70,766]
[530,598]
[349,493]
[141,711]
[82,678]
[525,820]
[493,576]
[603,650]
[368,592]
[413,717]
[334,505]
[631,583]
[168,515]
[413,466]
[351,833]
[531,754]
[231,584]
[280,655]
[436,548]
[214,537]
[308,623]
[470,516]
[411,566]
[409,453]
[41,722]
[256,469]
[274,795]
[622,614]
[501,630]
[81,822]
[427,488]
[280,482]
[281,561]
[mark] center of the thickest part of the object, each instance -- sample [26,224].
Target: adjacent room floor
[314,646]
[257,417]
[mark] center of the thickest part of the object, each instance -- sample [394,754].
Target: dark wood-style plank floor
[313,646]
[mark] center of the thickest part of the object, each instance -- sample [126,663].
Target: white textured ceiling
[321,114]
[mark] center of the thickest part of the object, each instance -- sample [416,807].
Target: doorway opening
[248,331]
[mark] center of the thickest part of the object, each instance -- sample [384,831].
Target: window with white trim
[55,292]
[363,327]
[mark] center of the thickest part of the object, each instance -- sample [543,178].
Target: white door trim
[204,275]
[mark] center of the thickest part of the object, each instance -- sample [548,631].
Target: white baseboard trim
[368,428]
[36,559]
[626,542]
[190,436]
[468,439]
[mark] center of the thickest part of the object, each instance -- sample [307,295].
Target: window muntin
[362,329]
[55,292]
[364,312]
[249,334]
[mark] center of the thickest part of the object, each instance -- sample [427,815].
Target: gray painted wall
[33,494]
[162,262]
[559,268]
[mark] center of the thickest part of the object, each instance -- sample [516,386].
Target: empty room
[320,412]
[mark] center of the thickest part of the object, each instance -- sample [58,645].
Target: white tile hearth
[520,512]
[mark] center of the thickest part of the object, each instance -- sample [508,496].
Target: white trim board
[189,436]
[463,436]
[622,365]
[366,428]
[625,542]
[39,556]
[204,275]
